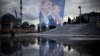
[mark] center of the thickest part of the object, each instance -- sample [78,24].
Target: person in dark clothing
[69,20]
[69,47]
[12,34]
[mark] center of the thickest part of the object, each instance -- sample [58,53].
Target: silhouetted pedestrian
[69,20]
[69,47]
[12,34]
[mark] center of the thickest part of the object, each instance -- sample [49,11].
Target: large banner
[51,13]
[51,16]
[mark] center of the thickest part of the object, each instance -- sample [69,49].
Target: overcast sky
[31,8]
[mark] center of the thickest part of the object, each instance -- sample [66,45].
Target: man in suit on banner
[45,11]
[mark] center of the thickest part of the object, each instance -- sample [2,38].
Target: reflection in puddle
[44,48]
[23,48]
[54,48]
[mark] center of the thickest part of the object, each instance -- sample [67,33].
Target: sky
[31,8]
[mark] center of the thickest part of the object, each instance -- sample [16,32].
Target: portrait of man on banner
[51,13]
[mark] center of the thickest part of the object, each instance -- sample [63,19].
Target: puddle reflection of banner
[51,13]
[51,48]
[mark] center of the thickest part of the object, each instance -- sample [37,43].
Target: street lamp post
[80,12]
[21,12]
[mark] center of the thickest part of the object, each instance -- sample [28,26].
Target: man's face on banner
[47,7]
[56,10]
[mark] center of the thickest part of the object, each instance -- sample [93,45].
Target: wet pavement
[80,37]
[34,50]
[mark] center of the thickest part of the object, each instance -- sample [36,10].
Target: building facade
[91,17]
